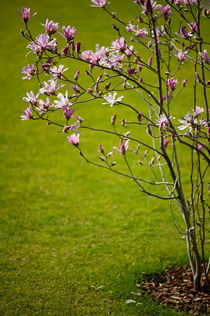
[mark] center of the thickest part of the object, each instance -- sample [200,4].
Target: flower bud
[78,47]
[100,149]
[139,117]
[165,144]
[113,119]
[76,76]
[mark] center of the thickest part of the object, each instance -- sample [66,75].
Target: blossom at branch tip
[200,147]
[74,139]
[95,57]
[165,143]
[197,111]
[62,100]
[180,55]
[119,45]
[205,57]
[25,15]
[123,146]
[44,105]
[29,71]
[42,43]
[69,32]
[31,98]
[67,112]
[185,2]
[192,27]
[183,32]
[172,83]
[27,114]
[99,3]
[57,72]
[50,88]
[162,121]
[50,27]
[166,11]
[137,32]
[111,99]
[150,5]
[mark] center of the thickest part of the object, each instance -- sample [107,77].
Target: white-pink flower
[31,98]
[27,114]
[111,99]
[44,105]
[62,100]
[74,139]
[69,33]
[172,83]
[99,3]
[29,71]
[123,146]
[50,27]
[50,88]
[57,71]
[42,43]
[119,45]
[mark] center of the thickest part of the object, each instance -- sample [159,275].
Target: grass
[66,228]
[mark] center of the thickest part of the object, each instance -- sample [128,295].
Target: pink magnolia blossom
[74,139]
[74,127]
[113,119]
[137,32]
[200,147]
[119,45]
[123,146]
[67,112]
[62,101]
[165,143]
[197,111]
[42,43]
[50,88]
[69,32]
[27,114]
[57,72]
[192,27]
[180,55]
[184,32]
[111,99]
[172,83]
[50,27]
[149,5]
[31,98]
[25,15]
[29,71]
[205,57]
[44,105]
[94,57]
[162,121]
[99,3]
[166,11]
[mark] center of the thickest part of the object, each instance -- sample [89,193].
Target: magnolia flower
[42,43]
[27,114]
[44,105]
[62,100]
[197,111]
[74,139]
[180,55]
[57,72]
[31,98]
[99,3]
[67,112]
[123,146]
[119,45]
[29,71]
[205,56]
[192,27]
[50,27]
[166,11]
[111,100]
[150,5]
[165,144]
[184,32]
[51,88]
[68,32]
[163,121]
[200,147]
[25,15]
[172,83]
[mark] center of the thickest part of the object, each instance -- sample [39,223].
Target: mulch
[175,288]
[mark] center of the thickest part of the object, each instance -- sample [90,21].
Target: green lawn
[73,240]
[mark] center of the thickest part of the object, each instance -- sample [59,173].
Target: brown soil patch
[175,288]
